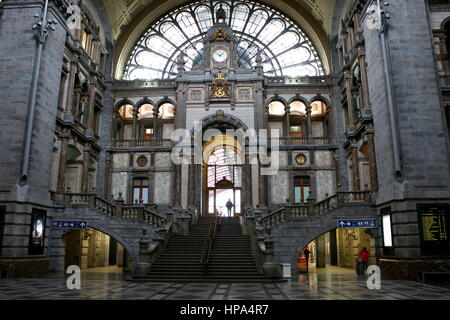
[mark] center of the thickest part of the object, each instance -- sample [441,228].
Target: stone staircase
[231,258]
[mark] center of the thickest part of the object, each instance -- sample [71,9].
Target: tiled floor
[330,284]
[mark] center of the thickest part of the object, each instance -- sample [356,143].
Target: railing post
[271,269]
[311,206]
[143,266]
[119,205]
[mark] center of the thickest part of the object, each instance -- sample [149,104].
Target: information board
[434,223]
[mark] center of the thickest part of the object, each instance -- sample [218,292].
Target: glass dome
[286,50]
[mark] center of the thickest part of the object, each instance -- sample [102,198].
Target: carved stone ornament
[220,88]
[142,161]
[220,35]
[301,159]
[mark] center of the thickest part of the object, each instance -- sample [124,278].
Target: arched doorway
[94,250]
[222,177]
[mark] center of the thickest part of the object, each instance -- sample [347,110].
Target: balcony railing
[305,211]
[151,143]
[138,213]
[305,141]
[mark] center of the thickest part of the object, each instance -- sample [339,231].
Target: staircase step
[231,258]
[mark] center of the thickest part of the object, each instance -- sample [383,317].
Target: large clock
[220,55]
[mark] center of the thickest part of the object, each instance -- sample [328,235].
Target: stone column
[155,122]
[177,186]
[355,171]
[91,119]
[309,132]
[107,176]
[350,106]
[143,265]
[85,175]
[372,162]
[71,87]
[364,79]
[62,166]
[191,189]
[321,252]
[270,267]
[134,133]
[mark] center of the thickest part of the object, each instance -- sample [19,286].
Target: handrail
[207,245]
[111,209]
[304,211]
[305,141]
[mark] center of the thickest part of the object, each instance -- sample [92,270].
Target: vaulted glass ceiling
[286,50]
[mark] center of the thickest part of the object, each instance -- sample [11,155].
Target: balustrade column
[135,129]
[309,132]
[143,266]
[271,269]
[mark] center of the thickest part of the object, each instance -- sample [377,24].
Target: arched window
[447,33]
[126,112]
[166,111]
[145,111]
[277,109]
[297,108]
[318,109]
[285,48]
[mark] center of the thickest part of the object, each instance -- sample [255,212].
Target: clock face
[301,159]
[220,55]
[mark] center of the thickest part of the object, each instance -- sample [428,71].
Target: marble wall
[163,188]
[119,185]
[121,160]
[325,185]
[280,187]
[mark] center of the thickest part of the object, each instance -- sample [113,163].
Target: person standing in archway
[364,256]
[229,206]
[306,253]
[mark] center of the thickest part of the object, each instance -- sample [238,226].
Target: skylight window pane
[155,55]
[272,30]
[240,15]
[187,23]
[204,18]
[172,33]
[256,22]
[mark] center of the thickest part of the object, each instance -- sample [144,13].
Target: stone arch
[143,101]
[122,102]
[298,98]
[289,242]
[222,120]
[166,100]
[322,99]
[273,99]
[445,22]
[132,251]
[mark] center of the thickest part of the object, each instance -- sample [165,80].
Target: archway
[222,177]
[336,251]
[93,250]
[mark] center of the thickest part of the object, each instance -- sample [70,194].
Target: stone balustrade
[150,143]
[117,209]
[306,211]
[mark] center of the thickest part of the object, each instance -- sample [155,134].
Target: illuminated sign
[434,224]
[357,223]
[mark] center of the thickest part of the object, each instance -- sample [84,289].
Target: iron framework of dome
[286,50]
